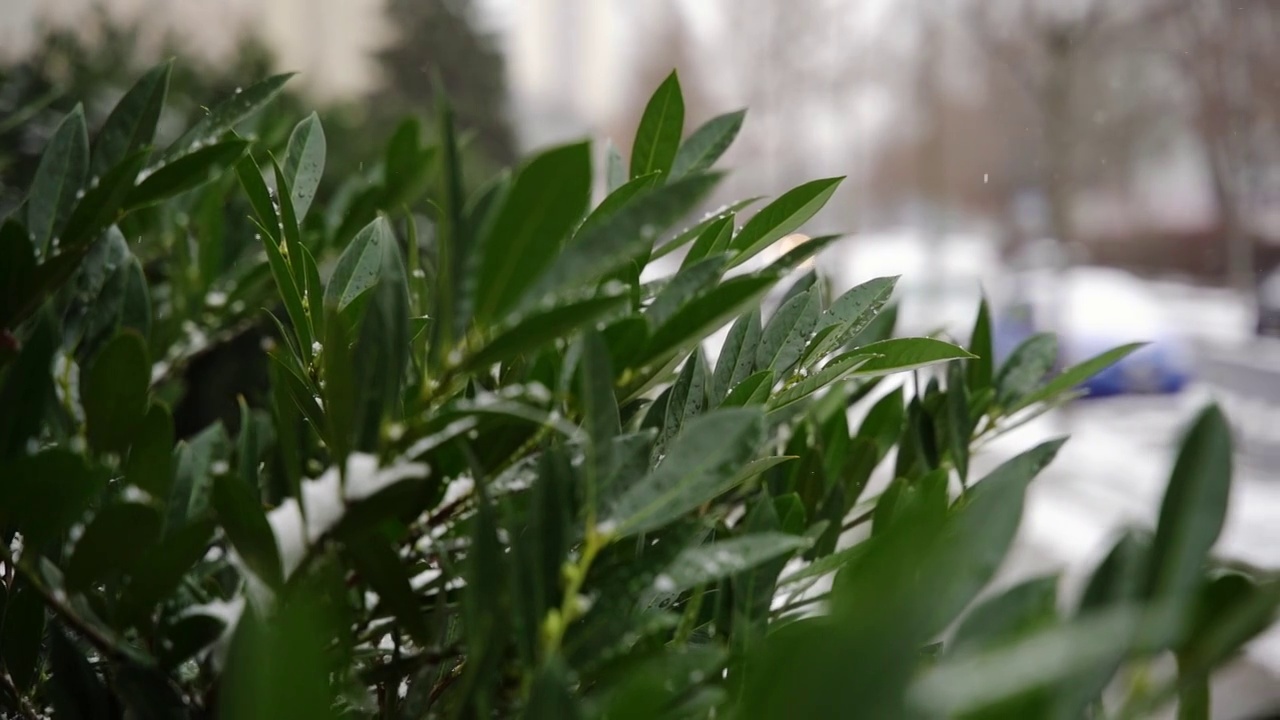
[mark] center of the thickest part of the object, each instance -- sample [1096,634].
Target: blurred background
[1108,170]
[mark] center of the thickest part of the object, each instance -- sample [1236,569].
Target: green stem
[1193,695]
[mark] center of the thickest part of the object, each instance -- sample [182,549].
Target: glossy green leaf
[903,354]
[707,563]
[688,398]
[958,424]
[787,332]
[618,199]
[839,367]
[606,248]
[547,199]
[259,197]
[736,360]
[135,306]
[658,138]
[131,126]
[700,465]
[113,542]
[358,266]
[58,180]
[1025,368]
[687,284]
[781,217]
[1194,508]
[712,240]
[114,392]
[705,314]
[190,498]
[691,233]
[1026,607]
[849,315]
[980,371]
[226,115]
[1068,379]
[536,329]
[752,391]
[185,173]
[241,515]
[977,536]
[705,146]
[304,162]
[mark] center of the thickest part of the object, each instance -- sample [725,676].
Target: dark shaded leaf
[131,126]
[304,163]
[185,173]
[226,115]
[242,518]
[112,543]
[114,392]
[57,181]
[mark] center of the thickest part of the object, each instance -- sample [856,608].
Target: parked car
[1092,310]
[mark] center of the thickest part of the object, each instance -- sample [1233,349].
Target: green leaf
[700,465]
[1026,607]
[242,518]
[958,424]
[113,542]
[17,271]
[971,682]
[708,563]
[737,357]
[340,392]
[1025,368]
[226,115]
[161,570]
[689,234]
[549,196]
[304,162]
[150,464]
[185,173]
[58,179]
[114,392]
[781,217]
[601,250]
[707,144]
[359,265]
[100,206]
[661,126]
[903,354]
[704,315]
[131,126]
[76,691]
[686,284]
[599,408]
[1068,379]
[687,400]
[618,199]
[27,389]
[714,239]
[135,306]
[193,479]
[839,367]
[1194,508]
[1231,609]
[384,571]
[383,347]
[849,315]
[977,536]
[22,632]
[259,197]
[752,391]
[532,331]
[787,332]
[42,495]
[980,371]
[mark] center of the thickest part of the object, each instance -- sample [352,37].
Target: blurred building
[330,42]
